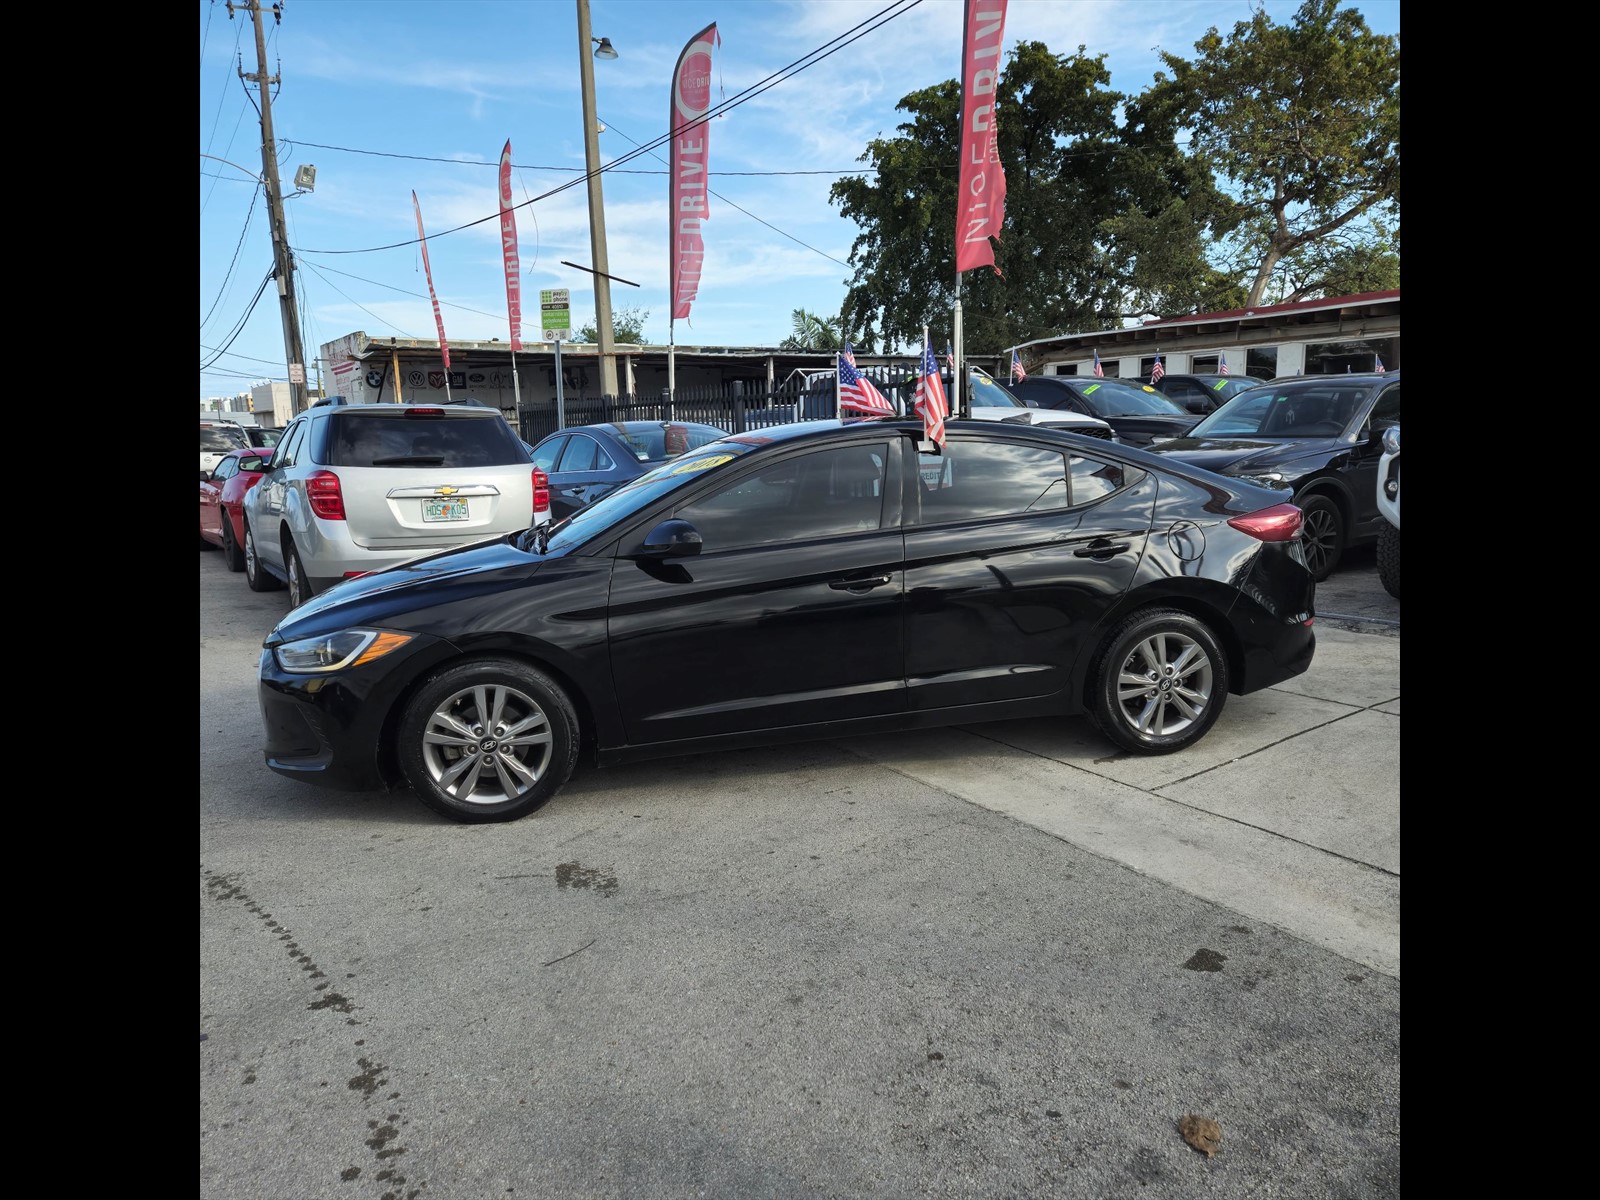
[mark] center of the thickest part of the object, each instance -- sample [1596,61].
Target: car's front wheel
[1322,535]
[488,740]
[1389,559]
[1159,682]
[257,576]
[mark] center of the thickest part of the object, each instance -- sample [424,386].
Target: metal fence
[714,405]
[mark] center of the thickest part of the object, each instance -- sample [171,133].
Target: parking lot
[1002,960]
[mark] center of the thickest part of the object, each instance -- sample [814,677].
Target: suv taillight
[541,493]
[1280,523]
[325,496]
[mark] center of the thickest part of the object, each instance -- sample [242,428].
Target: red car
[222,501]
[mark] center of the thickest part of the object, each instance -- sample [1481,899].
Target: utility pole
[282,260]
[597,206]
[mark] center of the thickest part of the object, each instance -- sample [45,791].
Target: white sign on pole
[555,314]
[297,372]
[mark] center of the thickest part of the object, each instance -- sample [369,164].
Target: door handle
[859,585]
[1101,549]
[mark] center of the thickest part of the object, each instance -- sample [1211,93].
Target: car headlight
[1271,479]
[336,651]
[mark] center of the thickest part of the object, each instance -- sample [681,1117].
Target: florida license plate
[444,510]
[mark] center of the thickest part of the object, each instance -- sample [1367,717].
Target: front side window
[547,452]
[973,479]
[823,494]
[226,469]
[288,450]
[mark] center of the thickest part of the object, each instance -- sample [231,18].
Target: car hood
[421,583]
[1238,456]
[1135,427]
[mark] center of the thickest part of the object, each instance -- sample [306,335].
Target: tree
[1071,173]
[627,327]
[1302,121]
[813,332]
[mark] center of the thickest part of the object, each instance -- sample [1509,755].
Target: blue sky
[387,97]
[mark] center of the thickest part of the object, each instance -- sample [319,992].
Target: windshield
[220,441]
[1112,398]
[644,491]
[986,393]
[1296,410]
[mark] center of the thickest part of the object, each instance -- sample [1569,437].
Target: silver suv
[355,488]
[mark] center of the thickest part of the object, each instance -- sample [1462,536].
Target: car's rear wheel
[230,546]
[1389,559]
[299,585]
[488,740]
[1159,682]
[1322,535]
[257,576]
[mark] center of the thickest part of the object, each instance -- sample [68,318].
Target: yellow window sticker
[701,464]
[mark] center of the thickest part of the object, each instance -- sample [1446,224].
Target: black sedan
[1320,437]
[584,462]
[810,580]
[1138,414]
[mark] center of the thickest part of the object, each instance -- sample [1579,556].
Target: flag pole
[838,397]
[672,363]
[957,368]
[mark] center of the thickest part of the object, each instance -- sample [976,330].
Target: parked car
[1200,394]
[1137,414]
[584,462]
[1389,506]
[222,492]
[815,579]
[354,488]
[217,440]
[990,400]
[1320,437]
[265,436]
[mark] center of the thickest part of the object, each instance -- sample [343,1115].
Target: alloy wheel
[1164,684]
[487,744]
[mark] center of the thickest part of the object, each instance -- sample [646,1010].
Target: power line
[473,162]
[870,25]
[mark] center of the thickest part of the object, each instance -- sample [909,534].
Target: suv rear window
[357,439]
[220,440]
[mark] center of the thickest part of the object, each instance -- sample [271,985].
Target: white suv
[1389,507]
[354,488]
[987,400]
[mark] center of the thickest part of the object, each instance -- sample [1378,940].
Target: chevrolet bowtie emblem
[446,490]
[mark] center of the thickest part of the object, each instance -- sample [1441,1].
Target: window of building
[1261,362]
[1203,364]
[1354,354]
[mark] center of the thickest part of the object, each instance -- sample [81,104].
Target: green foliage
[627,327]
[1070,174]
[813,332]
[1302,121]
[1287,185]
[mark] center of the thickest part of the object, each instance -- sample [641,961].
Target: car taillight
[541,492]
[1280,523]
[325,496]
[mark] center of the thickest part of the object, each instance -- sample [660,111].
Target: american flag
[1157,371]
[950,359]
[856,392]
[1017,373]
[1222,364]
[1377,364]
[1099,371]
[930,401]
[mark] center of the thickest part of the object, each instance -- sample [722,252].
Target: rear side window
[358,439]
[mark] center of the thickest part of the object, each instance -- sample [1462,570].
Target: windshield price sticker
[700,464]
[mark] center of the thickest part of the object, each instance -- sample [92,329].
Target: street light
[597,214]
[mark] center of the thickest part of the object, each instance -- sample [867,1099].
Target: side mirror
[671,539]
